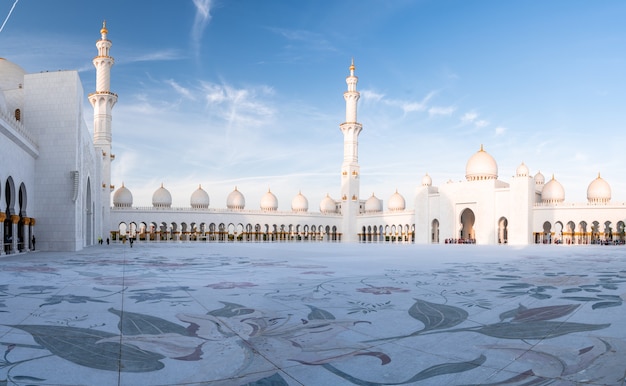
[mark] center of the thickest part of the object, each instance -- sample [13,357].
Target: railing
[19,127]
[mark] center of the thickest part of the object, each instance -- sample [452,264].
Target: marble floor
[314,314]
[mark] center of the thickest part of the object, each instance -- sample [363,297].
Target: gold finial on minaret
[104,29]
[352,67]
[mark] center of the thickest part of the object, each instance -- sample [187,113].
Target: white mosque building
[55,184]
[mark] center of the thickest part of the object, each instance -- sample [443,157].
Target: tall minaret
[350,167]
[103,101]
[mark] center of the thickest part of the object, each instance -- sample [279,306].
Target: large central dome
[481,166]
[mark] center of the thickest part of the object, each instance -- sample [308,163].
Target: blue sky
[250,93]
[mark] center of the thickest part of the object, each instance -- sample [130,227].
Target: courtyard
[314,314]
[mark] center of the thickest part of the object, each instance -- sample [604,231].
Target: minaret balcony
[103,92]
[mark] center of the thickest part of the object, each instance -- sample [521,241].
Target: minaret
[350,168]
[103,101]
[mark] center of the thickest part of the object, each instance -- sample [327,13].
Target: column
[3,217]
[15,219]
[27,245]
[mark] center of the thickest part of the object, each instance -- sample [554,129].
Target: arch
[583,236]
[621,227]
[434,231]
[467,232]
[9,197]
[22,199]
[503,230]
[569,233]
[608,232]
[595,232]
[558,232]
[122,229]
[547,233]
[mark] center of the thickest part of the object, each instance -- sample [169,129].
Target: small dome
[122,198]
[11,75]
[328,205]
[481,166]
[427,181]
[299,203]
[539,179]
[553,192]
[162,198]
[235,200]
[373,205]
[522,171]
[396,202]
[599,191]
[269,202]
[199,199]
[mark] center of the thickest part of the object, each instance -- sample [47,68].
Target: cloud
[438,110]
[500,130]
[405,106]
[201,20]
[238,105]
[371,96]
[311,40]
[180,89]
[469,117]
[481,123]
[155,56]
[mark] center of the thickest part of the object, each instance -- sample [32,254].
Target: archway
[503,231]
[434,231]
[547,232]
[467,232]
[558,232]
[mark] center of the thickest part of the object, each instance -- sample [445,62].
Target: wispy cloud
[238,105]
[185,92]
[500,130]
[155,56]
[406,106]
[312,40]
[438,110]
[471,117]
[201,20]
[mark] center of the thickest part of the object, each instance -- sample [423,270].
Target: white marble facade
[55,185]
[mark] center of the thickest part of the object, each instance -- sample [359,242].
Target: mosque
[56,191]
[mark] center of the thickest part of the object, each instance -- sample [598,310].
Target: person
[131,242]
[33,243]
[107,241]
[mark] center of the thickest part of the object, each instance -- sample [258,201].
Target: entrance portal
[467,233]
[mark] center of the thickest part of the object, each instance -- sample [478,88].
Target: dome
[162,198]
[299,203]
[373,204]
[481,166]
[396,202]
[11,75]
[269,202]
[235,200]
[599,191]
[539,179]
[427,181]
[522,171]
[328,205]
[122,198]
[553,192]
[199,199]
